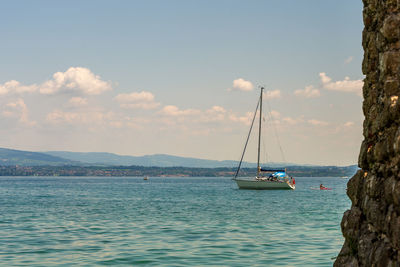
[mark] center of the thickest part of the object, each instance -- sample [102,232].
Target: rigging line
[247,140]
[276,132]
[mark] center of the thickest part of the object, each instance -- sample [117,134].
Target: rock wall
[372,226]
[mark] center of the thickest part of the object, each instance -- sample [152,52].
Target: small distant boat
[277,178]
[146,178]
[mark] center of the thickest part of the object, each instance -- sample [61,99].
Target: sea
[174,221]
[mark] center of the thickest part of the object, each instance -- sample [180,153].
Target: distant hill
[10,157]
[159,160]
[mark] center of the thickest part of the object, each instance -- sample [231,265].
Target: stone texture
[372,226]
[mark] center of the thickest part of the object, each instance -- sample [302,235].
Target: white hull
[263,185]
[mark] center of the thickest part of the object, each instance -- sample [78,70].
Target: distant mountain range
[159,160]
[61,158]
[18,162]
[10,157]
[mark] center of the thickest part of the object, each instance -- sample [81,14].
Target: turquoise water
[168,222]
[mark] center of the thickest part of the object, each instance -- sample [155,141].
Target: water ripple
[167,222]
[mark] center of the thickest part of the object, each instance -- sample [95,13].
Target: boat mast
[259,133]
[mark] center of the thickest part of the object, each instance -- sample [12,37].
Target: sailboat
[265,179]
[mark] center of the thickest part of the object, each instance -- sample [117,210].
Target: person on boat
[322,187]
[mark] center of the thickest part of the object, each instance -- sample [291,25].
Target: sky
[182,77]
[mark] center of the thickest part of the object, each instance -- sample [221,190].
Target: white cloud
[3,90]
[14,86]
[171,110]
[272,94]
[275,114]
[195,117]
[192,118]
[142,100]
[78,101]
[92,117]
[58,116]
[348,124]
[75,79]
[216,109]
[347,85]
[135,97]
[216,113]
[246,119]
[308,92]
[291,121]
[241,85]
[317,122]
[18,109]
[348,60]
[324,79]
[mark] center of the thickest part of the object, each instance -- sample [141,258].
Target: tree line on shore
[137,171]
